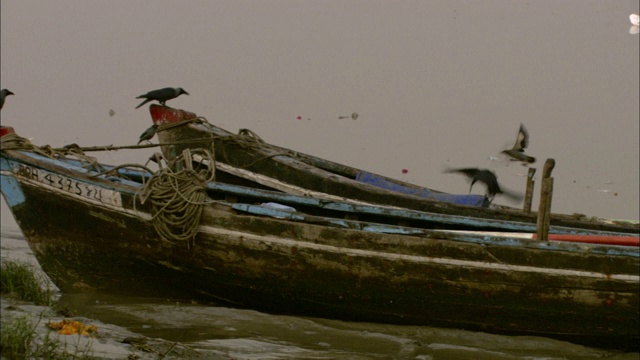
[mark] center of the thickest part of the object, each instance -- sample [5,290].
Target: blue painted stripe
[400,214]
[389,184]
[484,240]
[295,200]
[10,187]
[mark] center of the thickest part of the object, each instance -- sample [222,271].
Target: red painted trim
[5,130]
[162,115]
[596,239]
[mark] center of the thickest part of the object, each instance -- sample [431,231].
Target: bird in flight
[486,177]
[517,152]
[161,95]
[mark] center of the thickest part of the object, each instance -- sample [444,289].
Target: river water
[212,332]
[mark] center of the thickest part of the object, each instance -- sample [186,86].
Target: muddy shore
[108,342]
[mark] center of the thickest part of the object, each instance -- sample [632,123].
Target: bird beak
[10,93]
[185,92]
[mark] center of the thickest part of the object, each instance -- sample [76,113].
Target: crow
[149,133]
[487,177]
[161,95]
[3,94]
[517,152]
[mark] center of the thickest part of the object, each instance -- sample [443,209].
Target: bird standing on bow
[149,133]
[3,94]
[487,177]
[517,152]
[161,95]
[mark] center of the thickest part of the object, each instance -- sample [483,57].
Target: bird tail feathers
[142,103]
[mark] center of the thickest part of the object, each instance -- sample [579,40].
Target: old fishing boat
[176,232]
[246,159]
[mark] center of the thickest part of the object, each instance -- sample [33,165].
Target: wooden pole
[544,210]
[548,184]
[528,198]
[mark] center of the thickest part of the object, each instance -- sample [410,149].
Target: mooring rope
[178,196]
[177,192]
[18,143]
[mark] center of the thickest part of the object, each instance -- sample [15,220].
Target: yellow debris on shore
[71,327]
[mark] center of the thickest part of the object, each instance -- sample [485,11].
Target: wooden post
[544,210]
[170,154]
[548,189]
[528,198]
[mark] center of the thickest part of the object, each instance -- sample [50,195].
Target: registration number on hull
[59,182]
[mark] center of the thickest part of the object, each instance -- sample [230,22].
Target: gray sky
[436,83]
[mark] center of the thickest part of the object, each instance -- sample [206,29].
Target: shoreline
[108,342]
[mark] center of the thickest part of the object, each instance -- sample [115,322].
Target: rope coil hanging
[178,194]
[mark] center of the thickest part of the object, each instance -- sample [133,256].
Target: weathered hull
[325,177]
[87,243]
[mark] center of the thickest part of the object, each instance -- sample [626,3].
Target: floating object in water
[635,23]
[404,171]
[354,116]
[111,112]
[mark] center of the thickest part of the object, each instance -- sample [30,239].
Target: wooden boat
[247,160]
[90,229]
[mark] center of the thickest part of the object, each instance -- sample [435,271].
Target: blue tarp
[381,182]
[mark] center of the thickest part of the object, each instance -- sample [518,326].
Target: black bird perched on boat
[149,133]
[487,177]
[517,152]
[3,94]
[161,95]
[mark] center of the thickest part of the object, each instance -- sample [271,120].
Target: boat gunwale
[273,152]
[131,188]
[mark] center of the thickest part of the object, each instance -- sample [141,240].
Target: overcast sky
[436,83]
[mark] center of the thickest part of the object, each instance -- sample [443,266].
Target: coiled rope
[178,194]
